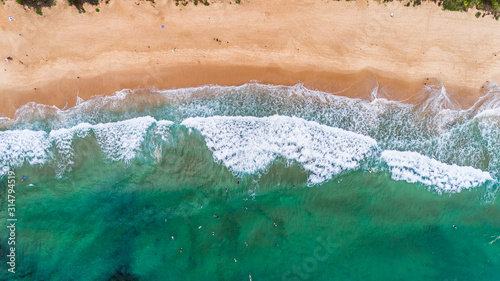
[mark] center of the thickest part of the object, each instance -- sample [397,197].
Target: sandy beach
[327,45]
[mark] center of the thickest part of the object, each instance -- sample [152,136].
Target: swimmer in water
[235,260]
[454,226]
[238,183]
[245,199]
[246,244]
[245,208]
[226,189]
[275,224]
[201,205]
[172,237]
[213,233]
[181,250]
[276,244]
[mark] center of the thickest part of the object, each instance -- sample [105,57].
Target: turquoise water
[319,187]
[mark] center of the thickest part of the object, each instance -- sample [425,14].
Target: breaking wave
[415,168]
[246,128]
[250,144]
[119,141]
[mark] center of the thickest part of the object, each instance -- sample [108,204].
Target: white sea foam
[63,142]
[413,167]
[20,146]
[250,144]
[33,110]
[431,128]
[163,129]
[438,99]
[122,140]
[119,141]
[493,114]
[490,133]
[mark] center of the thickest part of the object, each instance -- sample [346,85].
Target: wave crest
[250,144]
[413,167]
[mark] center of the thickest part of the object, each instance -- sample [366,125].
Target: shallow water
[357,189]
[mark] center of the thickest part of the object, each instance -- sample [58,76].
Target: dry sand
[328,45]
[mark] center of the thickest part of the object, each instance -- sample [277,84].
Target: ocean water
[255,182]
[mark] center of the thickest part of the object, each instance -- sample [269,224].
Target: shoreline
[63,93]
[331,47]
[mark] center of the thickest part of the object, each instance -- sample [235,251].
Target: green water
[105,219]
[108,220]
